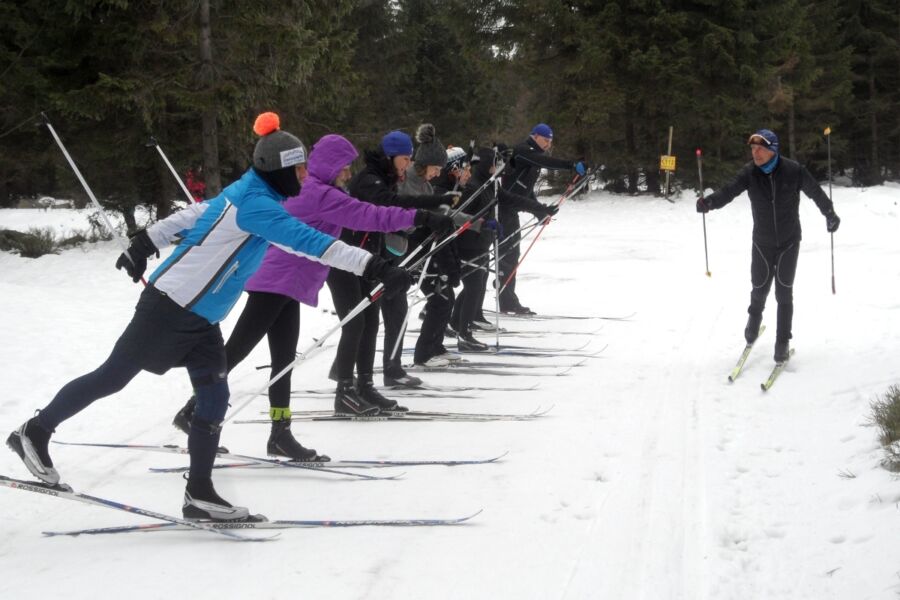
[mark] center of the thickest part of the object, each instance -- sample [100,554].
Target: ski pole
[573,188]
[119,239]
[828,139]
[187,193]
[700,175]
[497,289]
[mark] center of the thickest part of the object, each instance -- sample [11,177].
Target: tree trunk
[630,152]
[875,175]
[208,119]
[792,144]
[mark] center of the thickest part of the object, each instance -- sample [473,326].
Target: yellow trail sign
[666,163]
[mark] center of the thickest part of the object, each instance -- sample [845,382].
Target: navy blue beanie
[397,143]
[543,130]
[765,138]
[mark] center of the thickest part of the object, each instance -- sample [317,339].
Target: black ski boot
[751,331]
[184,416]
[400,378]
[782,350]
[467,343]
[202,502]
[283,443]
[30,442]
[365,389]
[348,402]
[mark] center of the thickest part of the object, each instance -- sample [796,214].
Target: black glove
[451,198]
[454,278]
[832,222]
[396,281]
[438,223]
[702,206]
[542,211]
[134,259]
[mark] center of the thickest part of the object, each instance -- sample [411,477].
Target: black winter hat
[430,151]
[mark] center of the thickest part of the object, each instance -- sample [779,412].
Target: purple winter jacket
[327,208]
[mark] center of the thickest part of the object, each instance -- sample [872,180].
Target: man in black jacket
[773,184]
[528,158]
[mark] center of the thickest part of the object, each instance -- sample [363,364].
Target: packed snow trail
[653,477]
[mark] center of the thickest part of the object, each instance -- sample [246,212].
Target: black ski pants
[394,310]
[779,265]
[471,298]
[278,318]
[360,335]
[161,335]
[438,308]
[509,258]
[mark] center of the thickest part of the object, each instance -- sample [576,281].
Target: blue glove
[579,168]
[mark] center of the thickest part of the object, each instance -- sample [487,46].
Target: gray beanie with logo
[430,150]
[276,149]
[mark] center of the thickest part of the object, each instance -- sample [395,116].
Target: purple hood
[329,209]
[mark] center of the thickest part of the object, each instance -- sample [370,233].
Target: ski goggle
[759,140]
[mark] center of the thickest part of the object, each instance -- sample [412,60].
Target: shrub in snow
[886,415]
[38,242]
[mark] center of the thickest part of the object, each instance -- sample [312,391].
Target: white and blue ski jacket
[224,240]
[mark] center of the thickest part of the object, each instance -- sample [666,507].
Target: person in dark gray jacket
[773,184]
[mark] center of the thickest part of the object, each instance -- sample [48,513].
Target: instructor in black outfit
[528,158]
[773,183]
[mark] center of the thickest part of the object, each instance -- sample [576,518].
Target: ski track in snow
[651,478]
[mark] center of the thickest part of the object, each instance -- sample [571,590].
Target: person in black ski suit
[474,247]
[773,184]
[528,158]
[376,183]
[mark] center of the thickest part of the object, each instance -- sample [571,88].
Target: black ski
[326,415]
[225,527]
[346,464]
[66,492]
[173,449]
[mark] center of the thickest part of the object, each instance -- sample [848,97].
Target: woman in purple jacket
[285,280]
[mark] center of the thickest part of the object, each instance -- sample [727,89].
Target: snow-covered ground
[652,477]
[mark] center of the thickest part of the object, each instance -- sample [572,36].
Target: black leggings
[778,265]
[360,335]
[277,317]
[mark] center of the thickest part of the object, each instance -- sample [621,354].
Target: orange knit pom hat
[276,149]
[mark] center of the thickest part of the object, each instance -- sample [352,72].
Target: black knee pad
[212,398]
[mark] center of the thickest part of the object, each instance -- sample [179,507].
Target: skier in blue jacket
[176,321]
